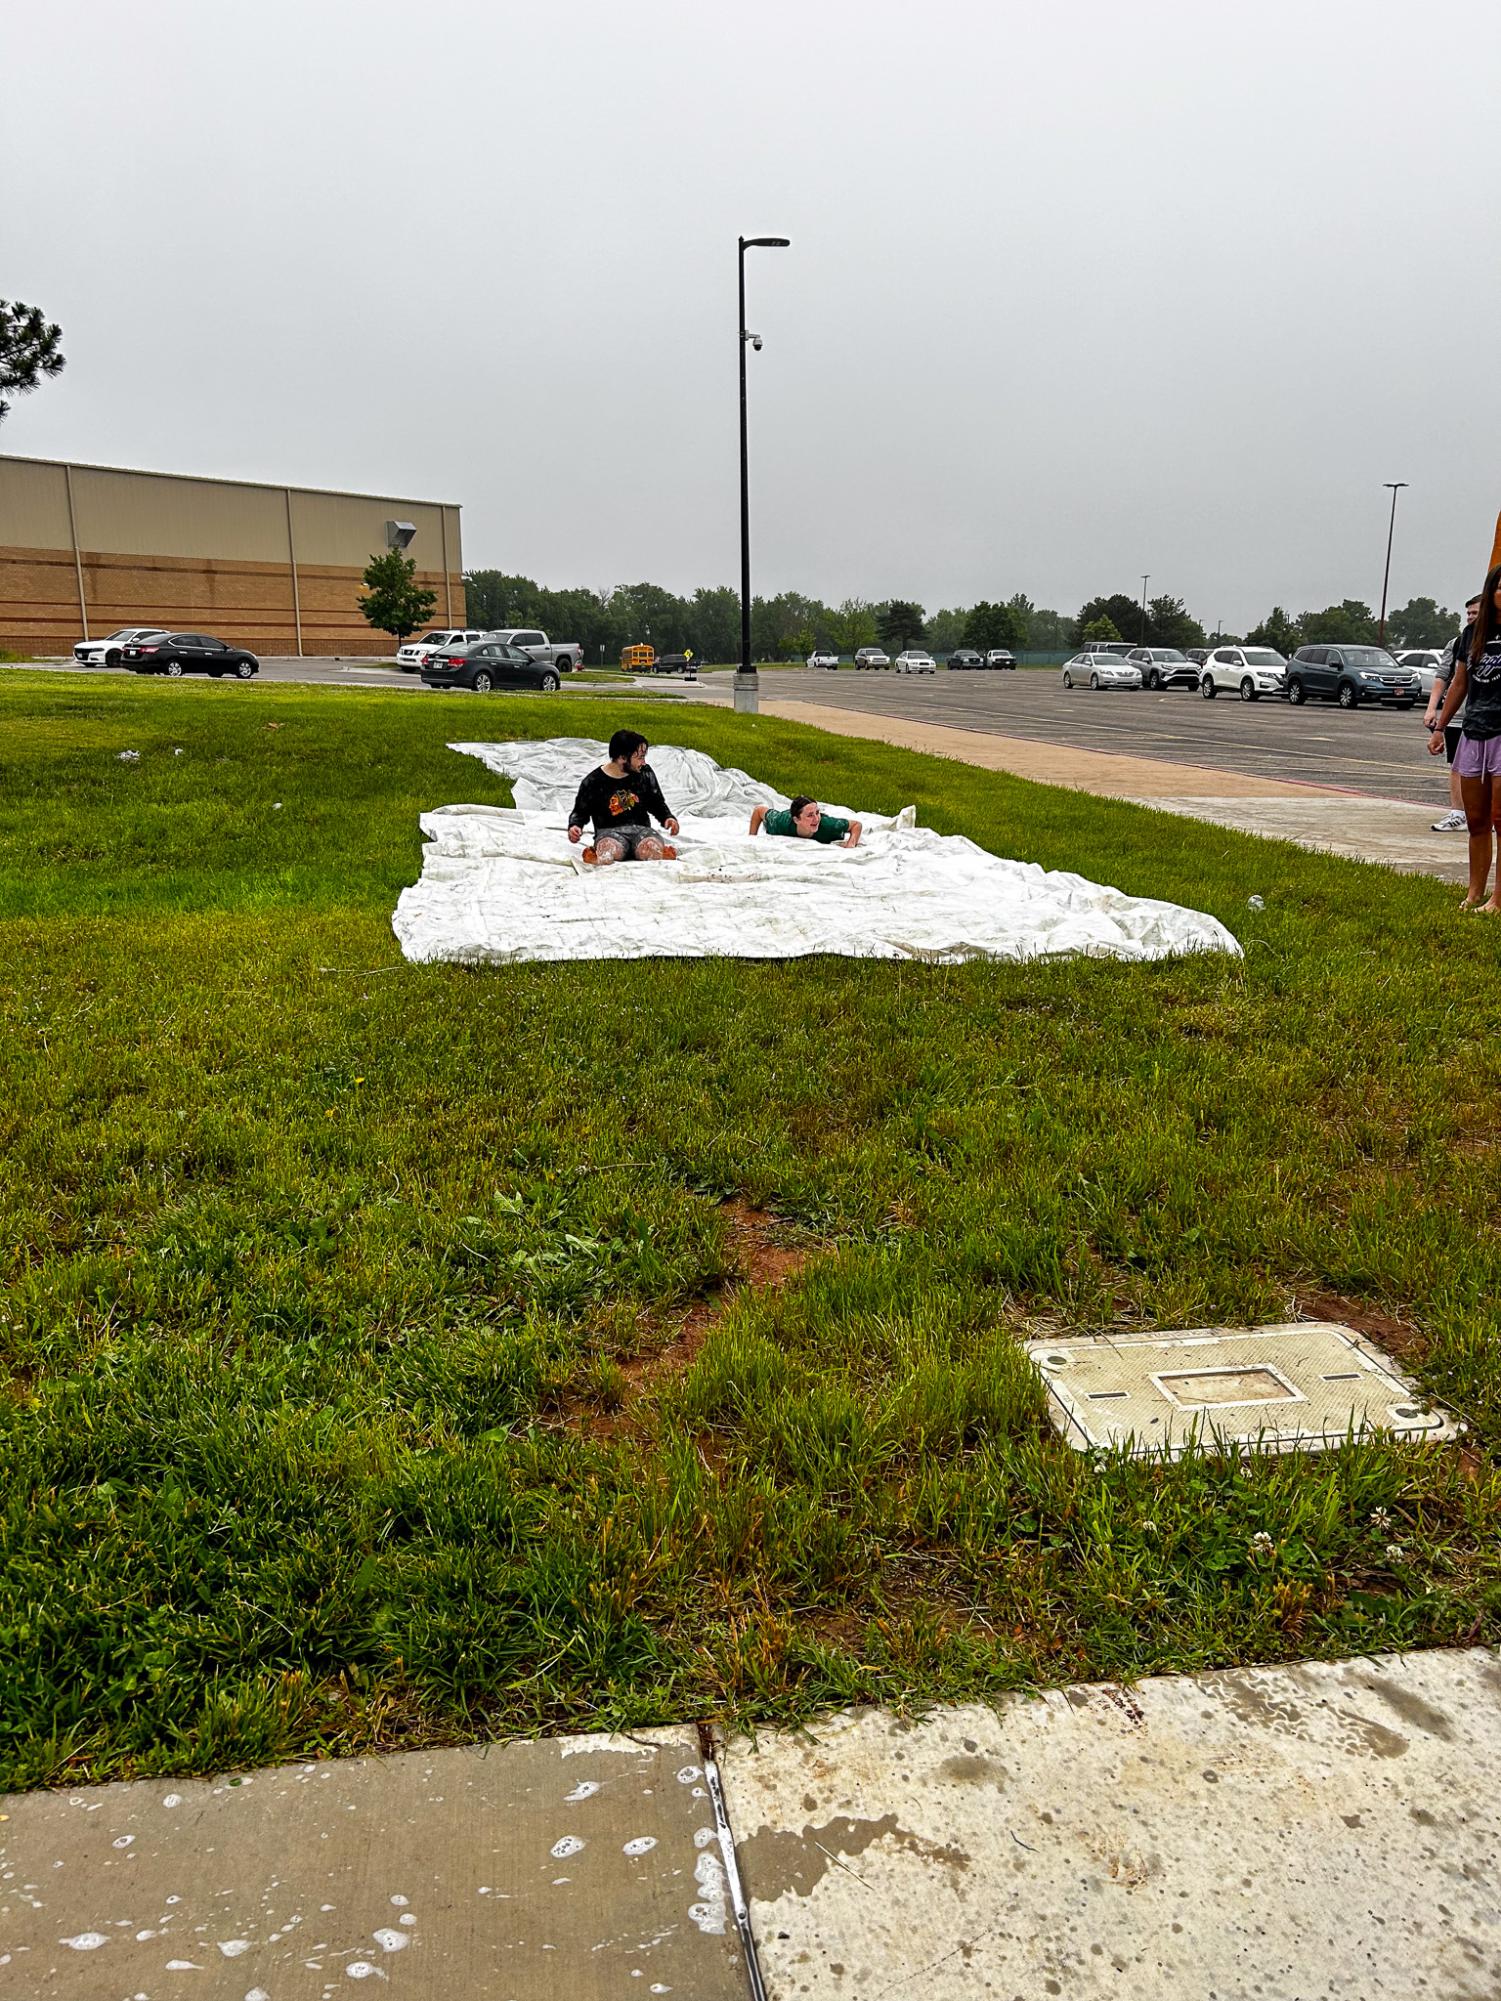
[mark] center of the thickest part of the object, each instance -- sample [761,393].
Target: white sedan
[916,662]
[109,652]
[1100,670]
[1249,671]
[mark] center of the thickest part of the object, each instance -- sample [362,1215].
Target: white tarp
[501,885]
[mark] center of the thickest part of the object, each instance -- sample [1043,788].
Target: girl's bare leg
[1476,793]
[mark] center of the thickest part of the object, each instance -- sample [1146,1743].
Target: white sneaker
[1452,823]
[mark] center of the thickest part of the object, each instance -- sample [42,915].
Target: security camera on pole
[747,686]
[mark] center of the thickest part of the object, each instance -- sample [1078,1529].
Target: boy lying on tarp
[622,796]
[806,820]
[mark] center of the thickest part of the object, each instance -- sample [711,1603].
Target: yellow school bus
[638,659]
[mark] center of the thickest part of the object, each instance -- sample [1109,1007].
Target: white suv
[915,662]
[416,651]
[1251,671]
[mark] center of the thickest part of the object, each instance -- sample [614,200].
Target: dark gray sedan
[487,664]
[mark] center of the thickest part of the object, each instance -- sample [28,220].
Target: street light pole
[1396,486]
[747,686]
[1144,608]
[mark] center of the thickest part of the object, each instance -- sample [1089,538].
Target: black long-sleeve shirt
[632,801]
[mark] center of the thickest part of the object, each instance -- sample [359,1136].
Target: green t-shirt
[829,829]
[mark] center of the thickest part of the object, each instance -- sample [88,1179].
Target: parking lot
[1378,751]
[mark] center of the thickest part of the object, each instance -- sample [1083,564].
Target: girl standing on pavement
[1476,683]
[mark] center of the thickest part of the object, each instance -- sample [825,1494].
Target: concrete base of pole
[747,694]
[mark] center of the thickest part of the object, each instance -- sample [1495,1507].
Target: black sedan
[487,664]
[177,653]
[965,657]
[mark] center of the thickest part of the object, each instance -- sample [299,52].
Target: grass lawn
[379,1363]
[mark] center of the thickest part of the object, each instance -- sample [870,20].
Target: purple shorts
[1478,757]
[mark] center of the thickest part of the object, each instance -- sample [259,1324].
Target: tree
[394,601]
[1169,623]
[995,625]
[853,626]
[1022,611]
[945,630]
[901,624]
[646,614]
[1347,624]
[1422,623]
[780,625]
[714,625]
[29,349]
[1278,631]
[496,600]
[1123,612]
[1049,632]
[1100,628]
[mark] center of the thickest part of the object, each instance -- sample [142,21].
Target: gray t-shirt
[1443,674]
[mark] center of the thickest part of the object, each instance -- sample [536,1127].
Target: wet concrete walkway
[574,1869]
[1321,1829]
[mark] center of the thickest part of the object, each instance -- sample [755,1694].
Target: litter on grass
[502,885]
[1301,1387]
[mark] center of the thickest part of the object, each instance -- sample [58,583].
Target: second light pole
[1396,486]
[747,686]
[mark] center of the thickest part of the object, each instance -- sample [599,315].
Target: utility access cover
[1297,1388]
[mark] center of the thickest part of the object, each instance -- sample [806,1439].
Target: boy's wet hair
[625,744]
[803,799]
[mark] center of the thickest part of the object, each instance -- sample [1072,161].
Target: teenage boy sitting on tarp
[622,796]
[806,820]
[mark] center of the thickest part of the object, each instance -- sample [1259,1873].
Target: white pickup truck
[416,651]
[566,656]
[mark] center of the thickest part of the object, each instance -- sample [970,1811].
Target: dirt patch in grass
[1402,1341]
[760,1265]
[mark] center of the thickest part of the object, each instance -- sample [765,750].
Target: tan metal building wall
[84,549]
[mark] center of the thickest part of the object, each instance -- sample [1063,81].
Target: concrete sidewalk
[1278,1832]
[1392,832]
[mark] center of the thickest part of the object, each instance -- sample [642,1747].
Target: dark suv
[965,657]
[1351,675]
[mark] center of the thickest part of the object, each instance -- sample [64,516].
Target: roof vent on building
[399,534]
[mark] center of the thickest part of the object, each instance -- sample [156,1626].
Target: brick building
[85,549]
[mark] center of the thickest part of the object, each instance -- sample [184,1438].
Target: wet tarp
[503,885]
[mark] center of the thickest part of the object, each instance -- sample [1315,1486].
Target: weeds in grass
[336,1290]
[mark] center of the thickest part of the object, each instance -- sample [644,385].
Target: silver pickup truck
[567,656]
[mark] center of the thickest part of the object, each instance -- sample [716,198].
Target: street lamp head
[1394,484]
[766,243]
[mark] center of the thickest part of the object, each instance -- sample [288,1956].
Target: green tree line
[790,626]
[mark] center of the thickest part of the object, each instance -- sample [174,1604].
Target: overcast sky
[1075,291]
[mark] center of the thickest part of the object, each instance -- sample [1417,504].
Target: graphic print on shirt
[621,802]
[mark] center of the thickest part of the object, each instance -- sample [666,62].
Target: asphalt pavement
[1378,751]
